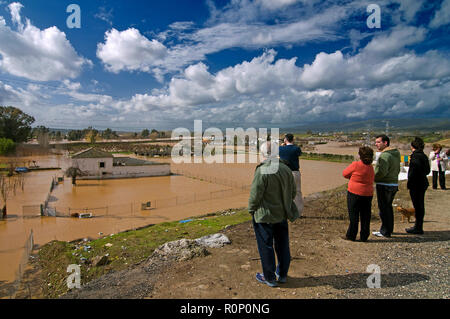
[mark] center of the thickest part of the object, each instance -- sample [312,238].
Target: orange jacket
[361,178]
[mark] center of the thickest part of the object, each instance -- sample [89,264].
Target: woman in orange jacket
[360,194]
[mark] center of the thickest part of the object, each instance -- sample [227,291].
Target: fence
[28,248]
[137,209]
[32,210]
[211,179]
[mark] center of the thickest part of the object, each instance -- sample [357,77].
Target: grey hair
[269,150]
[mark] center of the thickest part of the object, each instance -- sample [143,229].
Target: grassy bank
[124,249]
[327,157]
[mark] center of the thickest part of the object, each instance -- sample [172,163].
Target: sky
[130,65]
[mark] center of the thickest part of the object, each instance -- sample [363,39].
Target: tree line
[15,128]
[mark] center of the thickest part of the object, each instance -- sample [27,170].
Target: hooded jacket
[388,166]
[272,195]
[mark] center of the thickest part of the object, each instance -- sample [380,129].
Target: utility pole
[369,135]
[387,128]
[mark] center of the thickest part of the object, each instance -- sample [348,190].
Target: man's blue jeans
[385,197]
[269,236]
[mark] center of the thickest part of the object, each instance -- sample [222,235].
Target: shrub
[6,146]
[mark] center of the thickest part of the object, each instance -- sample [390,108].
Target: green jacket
[388,166]
[272,195]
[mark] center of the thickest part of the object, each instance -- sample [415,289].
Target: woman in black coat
[419,168]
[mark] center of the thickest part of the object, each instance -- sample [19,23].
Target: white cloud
[386,77]
[409,8]
[14,9]
[12,95]
[334,85]
[105,15]
[394,42]
[130,50]
[40,55]
[442,17]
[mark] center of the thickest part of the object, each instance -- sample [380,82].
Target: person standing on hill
[360,194]
[419,168]
[386,179]
[271,204]
[438,160]
[290,153]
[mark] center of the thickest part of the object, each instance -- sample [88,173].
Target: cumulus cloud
[14,9]
[40,55]
[12,95]
[384,77]
[335,85]
[129,50]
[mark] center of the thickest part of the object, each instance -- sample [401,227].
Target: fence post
[31,240]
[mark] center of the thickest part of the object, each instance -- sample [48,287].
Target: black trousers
[441,178]
[385,197]
[359,208]
[268,235]
[418,200]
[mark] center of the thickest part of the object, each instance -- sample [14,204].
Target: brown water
[123,198]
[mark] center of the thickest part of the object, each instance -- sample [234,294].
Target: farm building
[97,164]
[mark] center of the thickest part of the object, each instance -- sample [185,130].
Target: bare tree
[73,172]
[8,186]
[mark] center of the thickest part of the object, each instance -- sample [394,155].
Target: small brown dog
[407,213]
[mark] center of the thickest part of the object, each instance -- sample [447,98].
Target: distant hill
[376,125]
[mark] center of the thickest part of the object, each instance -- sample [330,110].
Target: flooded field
[340,148]
[116,204]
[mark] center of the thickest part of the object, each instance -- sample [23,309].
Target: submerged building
[98,164]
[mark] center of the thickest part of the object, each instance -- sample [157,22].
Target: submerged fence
[28,248]
[139,209]
[136,208]
[210,179]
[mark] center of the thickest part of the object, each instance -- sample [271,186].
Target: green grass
[327,157]
[129,247]
[123,152]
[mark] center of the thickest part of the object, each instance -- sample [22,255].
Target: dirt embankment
[324,265]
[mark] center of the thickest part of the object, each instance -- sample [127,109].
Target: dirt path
[324,265]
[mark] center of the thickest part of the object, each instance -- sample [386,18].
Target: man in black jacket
[419,168]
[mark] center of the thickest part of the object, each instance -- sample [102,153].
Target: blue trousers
[268,237]
[385,197]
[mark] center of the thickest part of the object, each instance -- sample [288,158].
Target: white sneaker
[377,233]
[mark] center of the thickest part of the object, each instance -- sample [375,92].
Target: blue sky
[239,63]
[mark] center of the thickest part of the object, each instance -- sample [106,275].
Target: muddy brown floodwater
[116,204]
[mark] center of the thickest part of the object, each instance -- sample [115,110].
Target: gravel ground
[416,266]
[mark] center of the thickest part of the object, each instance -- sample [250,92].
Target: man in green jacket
[271,204]
[386,179]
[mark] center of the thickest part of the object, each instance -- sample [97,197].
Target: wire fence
[28,248]
[29,211]
[211,179]
[137,208]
